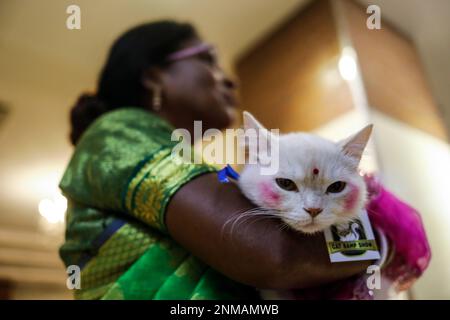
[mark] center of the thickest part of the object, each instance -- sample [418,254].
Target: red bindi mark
[315,171]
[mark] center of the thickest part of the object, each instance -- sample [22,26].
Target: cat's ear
[259,142]
[355,144]
[250,122]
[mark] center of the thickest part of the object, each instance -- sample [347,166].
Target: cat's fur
[313,164]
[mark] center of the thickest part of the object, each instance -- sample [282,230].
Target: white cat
[317,183]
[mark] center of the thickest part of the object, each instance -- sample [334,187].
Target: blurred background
[302,65]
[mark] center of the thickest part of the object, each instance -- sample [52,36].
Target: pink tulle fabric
[410,251]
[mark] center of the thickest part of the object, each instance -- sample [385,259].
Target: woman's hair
[120,82]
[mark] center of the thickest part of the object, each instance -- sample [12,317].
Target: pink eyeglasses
[193,51]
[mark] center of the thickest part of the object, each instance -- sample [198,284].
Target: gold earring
[156,98]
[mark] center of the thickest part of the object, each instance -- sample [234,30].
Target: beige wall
[290,80]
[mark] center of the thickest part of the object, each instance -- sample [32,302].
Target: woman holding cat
[140,225]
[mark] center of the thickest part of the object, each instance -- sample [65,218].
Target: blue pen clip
[226,172]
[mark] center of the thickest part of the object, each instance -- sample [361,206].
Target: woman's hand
[257,252]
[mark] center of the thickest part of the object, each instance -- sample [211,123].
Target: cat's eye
[286,184]
[336,187]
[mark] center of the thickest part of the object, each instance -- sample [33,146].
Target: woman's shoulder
[133,114]
[110,151]
[123,122]
[123,132]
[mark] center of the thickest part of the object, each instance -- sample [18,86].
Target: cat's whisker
[255,220]
[243,218]
[239,216]
[262,218]
[259,213]
[283,226]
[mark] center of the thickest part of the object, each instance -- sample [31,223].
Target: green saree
[119,181]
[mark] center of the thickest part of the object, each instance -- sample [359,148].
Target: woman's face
[196,88]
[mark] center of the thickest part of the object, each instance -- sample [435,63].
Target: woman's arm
[257,253]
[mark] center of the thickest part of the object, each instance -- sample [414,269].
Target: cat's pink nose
[313,212]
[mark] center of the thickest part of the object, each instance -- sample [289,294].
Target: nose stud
[313,212]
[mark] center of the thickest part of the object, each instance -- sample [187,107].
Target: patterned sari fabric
[118,183]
